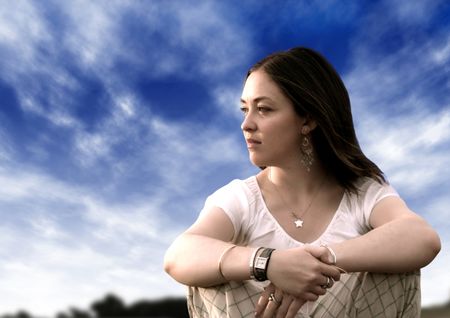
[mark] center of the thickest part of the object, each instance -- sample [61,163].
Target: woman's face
[271,126]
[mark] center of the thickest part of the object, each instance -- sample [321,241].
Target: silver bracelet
[331,252]
[334,258]
[222,256]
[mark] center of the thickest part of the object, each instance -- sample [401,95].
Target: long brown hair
[317,91]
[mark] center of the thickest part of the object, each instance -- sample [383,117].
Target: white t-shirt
[254,225]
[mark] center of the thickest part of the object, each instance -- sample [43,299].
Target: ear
[307,125]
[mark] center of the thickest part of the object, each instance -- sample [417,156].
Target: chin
[259,162]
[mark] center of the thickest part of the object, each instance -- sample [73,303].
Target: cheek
[284,143]
[289,141]
[286,133]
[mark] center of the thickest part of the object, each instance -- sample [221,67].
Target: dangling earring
[307,157]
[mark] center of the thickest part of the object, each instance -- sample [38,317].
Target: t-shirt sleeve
[373,192]
[233,201]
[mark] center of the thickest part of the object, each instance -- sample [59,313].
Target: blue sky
[118,118]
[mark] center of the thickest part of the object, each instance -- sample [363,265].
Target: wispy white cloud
[81,241]
[91,32]
[413,149]
[6,145]
[401,122]
[95,36]
[74,247]
[21,33]
[200,24]
[227,100]
[435,291]
[435,287]
[412,12]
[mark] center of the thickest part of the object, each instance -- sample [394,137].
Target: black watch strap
[261,264]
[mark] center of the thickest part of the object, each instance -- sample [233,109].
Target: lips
[252,142]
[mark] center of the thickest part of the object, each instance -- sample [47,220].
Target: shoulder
[371,188]
[237,190]
[236,186]
[236,199]
[370,192]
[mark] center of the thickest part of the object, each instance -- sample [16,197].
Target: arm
[193,260]
[400,241]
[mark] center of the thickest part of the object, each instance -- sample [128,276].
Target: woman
[318,231]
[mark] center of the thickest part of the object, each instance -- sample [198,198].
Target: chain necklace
[298,220]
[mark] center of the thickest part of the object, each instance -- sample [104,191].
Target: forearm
[193,260]
[402,245]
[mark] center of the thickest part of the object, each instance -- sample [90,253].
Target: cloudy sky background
[118,118]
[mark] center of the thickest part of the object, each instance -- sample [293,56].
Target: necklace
[298,220]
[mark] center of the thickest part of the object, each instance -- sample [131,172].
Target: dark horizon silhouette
[112,306]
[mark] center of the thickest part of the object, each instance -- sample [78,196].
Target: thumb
[320,252]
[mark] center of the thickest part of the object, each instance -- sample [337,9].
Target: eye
[264,109]
[244,110]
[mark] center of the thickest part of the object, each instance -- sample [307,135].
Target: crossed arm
[400,241]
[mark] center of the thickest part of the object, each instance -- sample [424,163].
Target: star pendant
[298,223]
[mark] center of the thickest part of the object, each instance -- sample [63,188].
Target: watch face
[261,262]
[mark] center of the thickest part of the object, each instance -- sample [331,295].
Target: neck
[297,181]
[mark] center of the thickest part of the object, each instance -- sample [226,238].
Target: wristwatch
[261,263]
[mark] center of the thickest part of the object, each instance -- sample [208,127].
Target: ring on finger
[328,283]
[324,286]
[274,299]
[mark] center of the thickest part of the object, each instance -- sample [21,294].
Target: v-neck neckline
[283,230]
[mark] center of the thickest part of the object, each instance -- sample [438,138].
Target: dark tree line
[113,307]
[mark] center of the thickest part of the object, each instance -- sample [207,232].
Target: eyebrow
[257,99]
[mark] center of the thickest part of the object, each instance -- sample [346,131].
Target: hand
[282,306]
[321,253]
[299,272]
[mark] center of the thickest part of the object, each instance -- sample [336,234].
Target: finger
[270,310]
[332,272]
[272,306]
[312,296]
[295,307]
[321,253]
[263,300]
[318,290]
[285,304]
[316,251]
[329,283]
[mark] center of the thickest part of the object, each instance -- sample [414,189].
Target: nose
[248,124]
